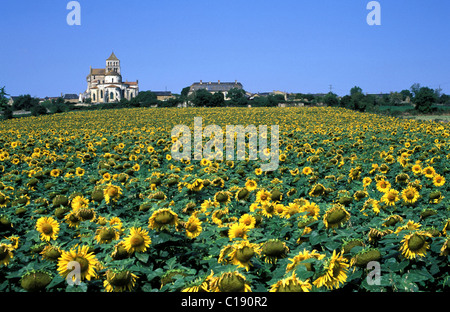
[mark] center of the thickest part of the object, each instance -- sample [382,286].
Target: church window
[111,96]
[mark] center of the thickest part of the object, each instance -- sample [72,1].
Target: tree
[25,102]
[236,95]
[185,91]
[406,93]
[424,98]
[331,99]
[144,99]
[38,110]
[202,98]
[355,90]
[217,99]
[415,89]
[395,98]
[4,106]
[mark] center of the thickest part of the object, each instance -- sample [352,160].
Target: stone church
[105,85]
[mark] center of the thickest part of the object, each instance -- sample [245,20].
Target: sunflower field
[93,201]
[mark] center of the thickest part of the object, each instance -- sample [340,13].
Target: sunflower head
[51,253]
[137,241]
[119,280]
[273,249]
[415,244]
[48,227]
[291,284]
[363,257]
[163,218]
[35,281]
[335,216]
[232,282]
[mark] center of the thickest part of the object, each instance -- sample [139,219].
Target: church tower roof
[112,57]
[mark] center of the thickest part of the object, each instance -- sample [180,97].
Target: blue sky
[287,45]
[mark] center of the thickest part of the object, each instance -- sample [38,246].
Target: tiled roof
[215,86]
[112,57]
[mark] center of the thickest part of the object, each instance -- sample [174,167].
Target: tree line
[423,98]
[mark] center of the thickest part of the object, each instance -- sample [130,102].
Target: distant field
[431,117]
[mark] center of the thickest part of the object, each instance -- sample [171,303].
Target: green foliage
[25,102]
[424,99]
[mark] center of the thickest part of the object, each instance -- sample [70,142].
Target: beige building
[105,85]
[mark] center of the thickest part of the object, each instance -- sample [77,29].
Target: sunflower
[445,249]
[263,197]
[72,219]
[410,195]
[291,284]
[274,249]
[106,234]
[112,192]
[4,200]
[223,197]
[416,169]
[290,210]
[248,220]
[207,204]
[48,227]
[392,220]
[51,253]
[193,227]
[162,219]
[258,171]
[438,180]
[251,185]
[415,244]
[335,216]
[79,172]
[196,186]
[366,182]
[86,261]
[383,185]
[307,170]
[79,202]
[335,272]
[137,241]
[268,210]
[294,172]
[201,284]
[231,282]
[5,254]
[317,190]
[119,281]
[55,173]
[238,230]
[301,256]
[429,171]
[86,214]
[242,253]
[409,226]
[390,197]
[278,209]
[218,215]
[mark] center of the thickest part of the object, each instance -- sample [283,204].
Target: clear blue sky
[288,45]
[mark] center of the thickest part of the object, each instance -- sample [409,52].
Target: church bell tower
[113,64]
